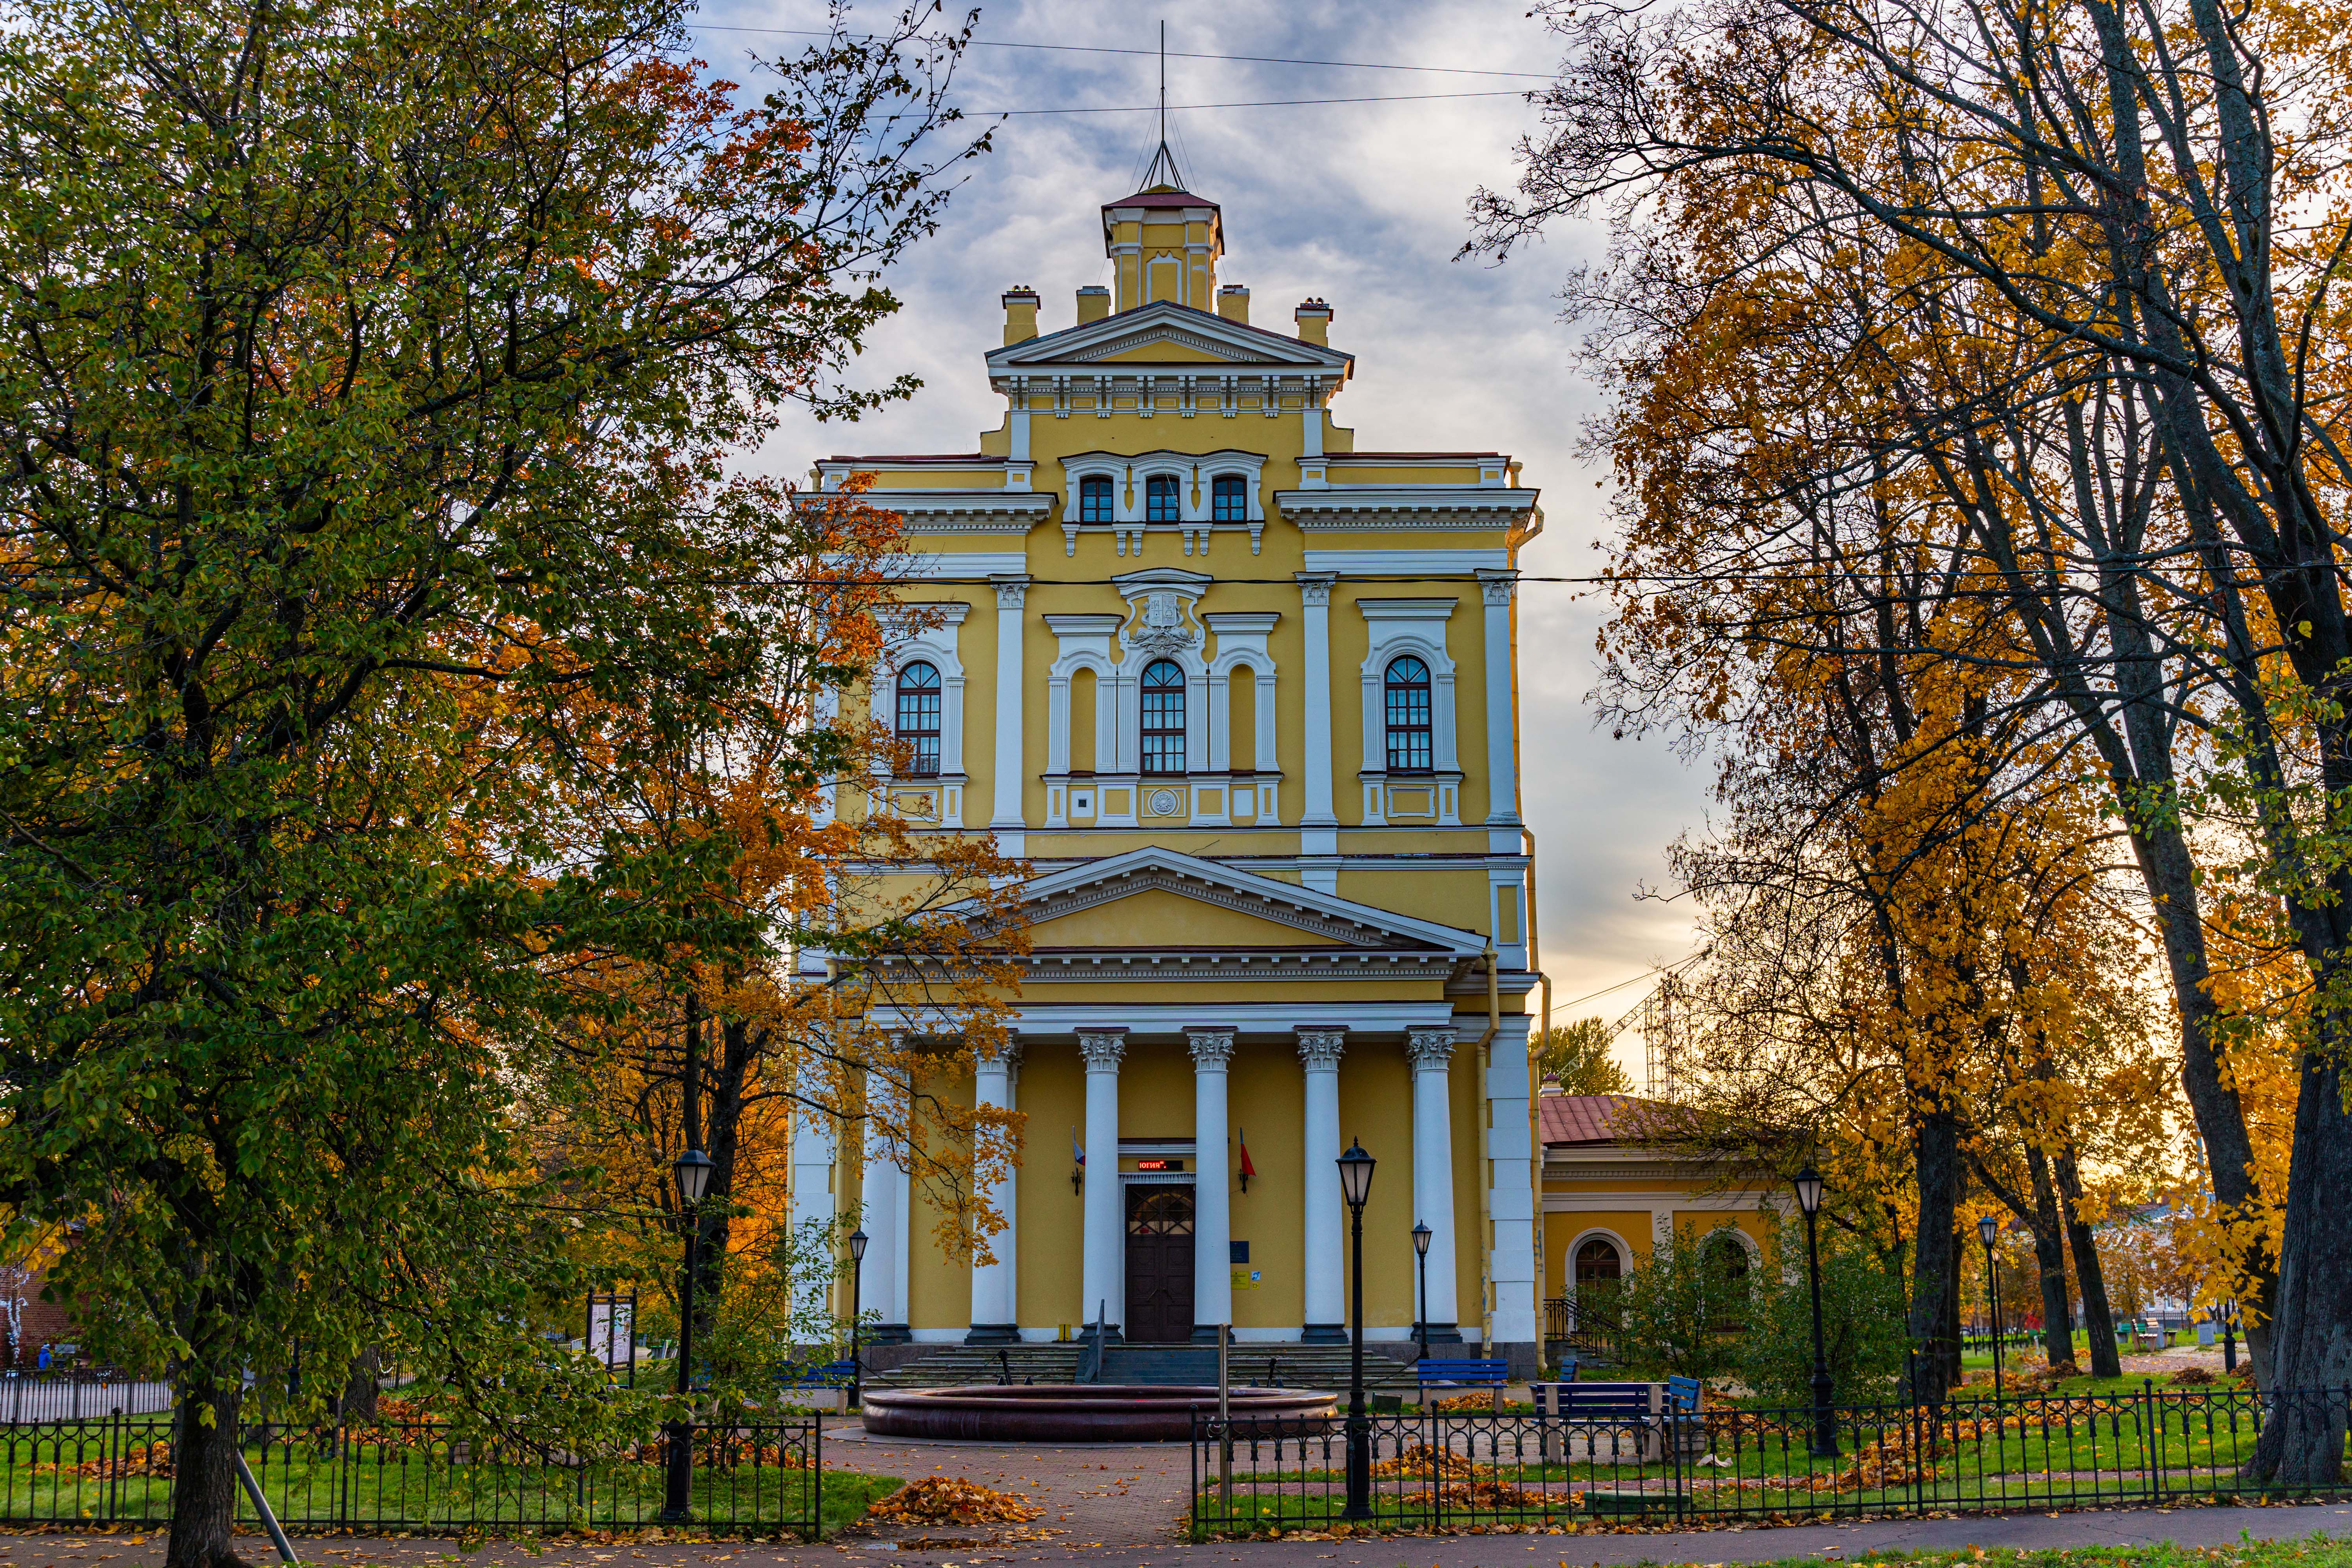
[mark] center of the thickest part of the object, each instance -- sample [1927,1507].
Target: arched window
[1407,682]
[1597,1262]
[919,716]
[1163,717]
[1230,499]
[1094,499]
[1160,502]
[1726,1259]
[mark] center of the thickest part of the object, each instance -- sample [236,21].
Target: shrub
[1864,1334]
[1684,1310]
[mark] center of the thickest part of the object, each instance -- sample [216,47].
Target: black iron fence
[411,1475]
[1455,1471]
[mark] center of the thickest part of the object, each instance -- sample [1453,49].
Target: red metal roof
[1160,198]
[1581,1118]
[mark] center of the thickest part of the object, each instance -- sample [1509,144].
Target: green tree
[1864,1334]
[368,380]
[1577,1057]
[1682,1312]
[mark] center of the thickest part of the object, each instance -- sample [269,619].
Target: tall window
[1408,716]
[1163,717]
[1159,503]
[1230,495]
[1094,499]
[919,716]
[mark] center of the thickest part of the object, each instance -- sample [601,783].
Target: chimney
[1020,314]
[1094,303]
[1233,302]
[1314,319]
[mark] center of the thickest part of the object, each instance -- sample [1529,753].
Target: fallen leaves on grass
[936,1500]
[146,1459]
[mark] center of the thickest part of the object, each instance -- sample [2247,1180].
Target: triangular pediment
[1164,332]
[1158,897]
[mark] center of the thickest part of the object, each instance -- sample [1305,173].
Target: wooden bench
[1488,1374]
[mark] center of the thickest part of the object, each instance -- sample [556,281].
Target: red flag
[1249,1169]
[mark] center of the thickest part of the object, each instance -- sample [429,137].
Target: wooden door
[1159,1264]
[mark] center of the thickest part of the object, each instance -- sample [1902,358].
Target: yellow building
[1242,693]
[1609,1199]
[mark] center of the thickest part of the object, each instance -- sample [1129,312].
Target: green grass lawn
[94,1477]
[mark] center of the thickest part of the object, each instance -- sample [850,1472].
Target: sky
[1364,204]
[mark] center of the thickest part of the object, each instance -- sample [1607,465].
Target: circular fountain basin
[1081,1412]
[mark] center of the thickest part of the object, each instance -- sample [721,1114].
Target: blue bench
[1654,1410]
[829,1374]
[1488,1374]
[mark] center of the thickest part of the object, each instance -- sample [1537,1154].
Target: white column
[1502,738]
[1318,824]
[1325,1254]
[995,1314]
[1213,1226]
[1004,816]
[1430,1048]
[1510,1203]
[1103,1272]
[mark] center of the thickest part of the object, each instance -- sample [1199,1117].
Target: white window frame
[1417,626]
[928,634]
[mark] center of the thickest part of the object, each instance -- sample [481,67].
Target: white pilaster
[1324,1253]
[1430,1048]
[1319,823]
[1212,1227]
[995,1288]
[1103,1272]
[1005,814]
[1511,1201]
[879,1286]
[1502,737]
[815,1145]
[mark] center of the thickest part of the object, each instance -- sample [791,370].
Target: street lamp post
[1809,1198]
[1356,1185]
[1985,1227]
[1421,1236]
[2229,1337]
[693,1169]
[857,1295]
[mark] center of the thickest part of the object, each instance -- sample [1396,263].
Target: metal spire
[1164,160]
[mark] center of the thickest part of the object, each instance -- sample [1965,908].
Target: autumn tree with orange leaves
[844,962]
[370,380]
[2068,277]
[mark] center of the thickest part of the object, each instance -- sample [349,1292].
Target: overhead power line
[1172,54]
[1249,103]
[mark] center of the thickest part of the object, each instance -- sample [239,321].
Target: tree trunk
[1934,1263]
[2050,1255]
[362,1388]
[2090,1276]
[204,1475]
[2303,1445]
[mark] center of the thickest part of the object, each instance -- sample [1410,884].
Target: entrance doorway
[1159,1264]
